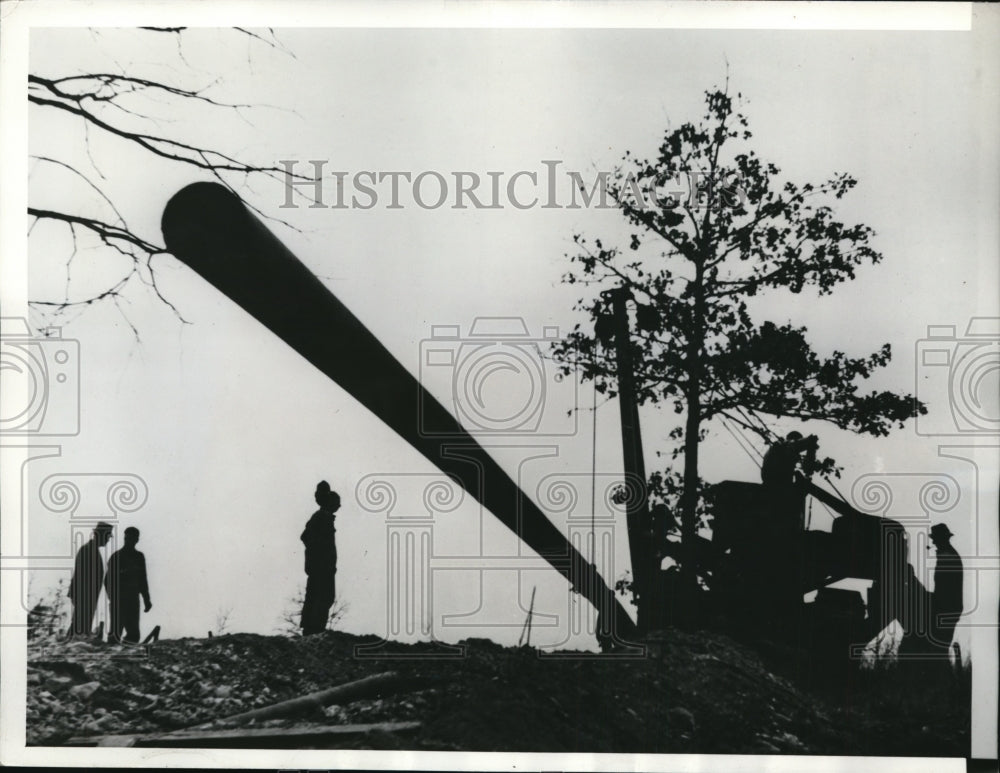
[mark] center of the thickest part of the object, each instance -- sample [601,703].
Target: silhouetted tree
[47,615]
[290,622]
[222,615]
[711,227]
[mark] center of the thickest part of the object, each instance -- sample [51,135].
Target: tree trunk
[689,499]
[689,506]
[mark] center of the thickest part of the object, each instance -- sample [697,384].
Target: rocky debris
[784,743]
[682,719]
[74,671]
[692,692]
[57,683]
[84,692]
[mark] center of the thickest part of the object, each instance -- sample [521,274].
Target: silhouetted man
[319,538]
[88,576]
[779,472]
[126,582]
[946,601]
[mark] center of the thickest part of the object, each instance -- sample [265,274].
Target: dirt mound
[691,692]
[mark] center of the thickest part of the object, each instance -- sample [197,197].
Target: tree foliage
[711,226]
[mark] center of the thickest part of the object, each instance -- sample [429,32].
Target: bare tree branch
[106,101]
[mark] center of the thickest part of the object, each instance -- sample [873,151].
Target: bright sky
[230,430]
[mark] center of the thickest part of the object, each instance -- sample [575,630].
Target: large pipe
[207,227]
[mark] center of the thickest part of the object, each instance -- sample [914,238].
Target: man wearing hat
[319,537]
[125,583]
[88,576]
[946,601]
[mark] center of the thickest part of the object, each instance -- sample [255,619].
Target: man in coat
[319,538]
[946,601]
[126,582]
[88,576]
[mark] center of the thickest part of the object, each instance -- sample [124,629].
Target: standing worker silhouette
[88,576]
[319,537]
[125,583]
[946,601]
